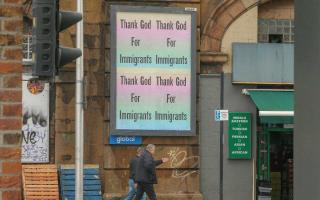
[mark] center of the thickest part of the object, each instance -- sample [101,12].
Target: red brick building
[11,25]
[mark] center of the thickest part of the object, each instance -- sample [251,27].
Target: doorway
[275,162]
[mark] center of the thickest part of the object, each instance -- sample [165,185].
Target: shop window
[275,38]
[275,31]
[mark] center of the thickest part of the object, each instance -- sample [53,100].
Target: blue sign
[221,115]
[125,140]
[217,115]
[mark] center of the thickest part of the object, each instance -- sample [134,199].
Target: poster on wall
[35,125]
[153,71]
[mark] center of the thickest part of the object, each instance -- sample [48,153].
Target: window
[27,37]
[275,31]
[27,49]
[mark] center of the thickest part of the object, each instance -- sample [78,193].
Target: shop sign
[239,135]
[125,140]
[153,71]
[35,121]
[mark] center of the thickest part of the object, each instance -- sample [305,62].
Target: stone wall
[177,179]
[283,9]
[94,66]
[10,98]
[244,29]
[220,25]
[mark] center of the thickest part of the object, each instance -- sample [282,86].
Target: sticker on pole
[221,115]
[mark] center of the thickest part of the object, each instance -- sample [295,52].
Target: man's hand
[164,160]
[136,186]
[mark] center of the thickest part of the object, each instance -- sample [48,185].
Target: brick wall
[10,98]
[277,10]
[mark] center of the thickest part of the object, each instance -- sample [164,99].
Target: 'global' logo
[121,139]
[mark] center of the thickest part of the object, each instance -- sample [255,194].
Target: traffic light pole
[79,108]
[48,57]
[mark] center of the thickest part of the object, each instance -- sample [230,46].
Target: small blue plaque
[125,140]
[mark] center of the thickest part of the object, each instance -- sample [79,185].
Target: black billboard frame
[113,49]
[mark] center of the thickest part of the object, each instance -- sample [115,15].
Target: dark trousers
[148,189]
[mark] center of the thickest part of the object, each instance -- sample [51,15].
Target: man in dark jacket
[146,172]
[133,170]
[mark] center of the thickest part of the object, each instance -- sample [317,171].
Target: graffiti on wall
[179,158]
[35,122]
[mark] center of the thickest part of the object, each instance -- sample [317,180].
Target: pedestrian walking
[146,172]
[132,184]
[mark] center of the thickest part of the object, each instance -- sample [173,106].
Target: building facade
[200,166]
[11,13]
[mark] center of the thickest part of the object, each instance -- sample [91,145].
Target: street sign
[239,135]
[221,115]
[125,140]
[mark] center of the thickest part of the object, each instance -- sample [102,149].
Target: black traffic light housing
[48,21]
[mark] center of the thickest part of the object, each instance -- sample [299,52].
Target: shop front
[274,164]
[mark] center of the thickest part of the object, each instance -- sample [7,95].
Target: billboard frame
[113,101]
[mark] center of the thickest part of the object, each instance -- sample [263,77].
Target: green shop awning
[275,106]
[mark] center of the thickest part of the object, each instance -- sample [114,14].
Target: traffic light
[48,21]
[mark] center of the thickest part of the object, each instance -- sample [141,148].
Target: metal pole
[79,109]
[221,138]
